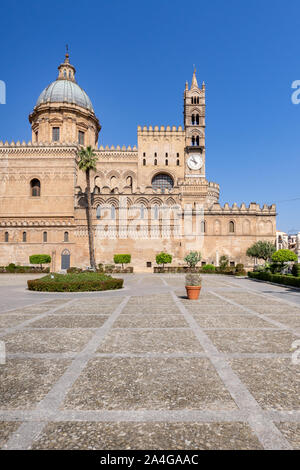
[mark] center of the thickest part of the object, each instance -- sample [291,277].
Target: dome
[65,91]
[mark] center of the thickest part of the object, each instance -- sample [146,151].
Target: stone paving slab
[44,341]
[6,429]
[292,432]
[273,382]
[119,341]
[70,321]
[156,436]
[24,382]
[13,320]
[252,341]
[279,308]
[150,321]
[142,383]
[231,321]
[292,321]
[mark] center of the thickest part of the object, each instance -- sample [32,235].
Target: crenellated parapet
[252,209]
[160,131]
[33,150]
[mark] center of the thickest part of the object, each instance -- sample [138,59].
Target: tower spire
[194,80]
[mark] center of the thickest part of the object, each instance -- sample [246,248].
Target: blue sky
[133,58]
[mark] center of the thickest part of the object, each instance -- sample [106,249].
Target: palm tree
[86,162]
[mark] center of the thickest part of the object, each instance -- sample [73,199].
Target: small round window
[162,181]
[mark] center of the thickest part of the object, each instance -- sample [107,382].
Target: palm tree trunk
[90,221]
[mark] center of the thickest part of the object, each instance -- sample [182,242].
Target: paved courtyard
[144,368]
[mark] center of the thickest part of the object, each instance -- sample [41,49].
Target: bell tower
[194,125]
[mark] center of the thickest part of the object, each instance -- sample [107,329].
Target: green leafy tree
[284,256]
[87,160]
[122,259]
[40,259]
[224,261]
[193,258]
[163,258]
[261,250]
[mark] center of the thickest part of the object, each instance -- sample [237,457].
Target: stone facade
[42,192]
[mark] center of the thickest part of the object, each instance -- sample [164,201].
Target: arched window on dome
[35,187]
[65,74]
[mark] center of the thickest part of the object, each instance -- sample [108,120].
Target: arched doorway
[65,259]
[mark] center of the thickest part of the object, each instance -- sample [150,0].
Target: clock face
[195,162]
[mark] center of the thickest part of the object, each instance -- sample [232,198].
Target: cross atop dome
[66,70]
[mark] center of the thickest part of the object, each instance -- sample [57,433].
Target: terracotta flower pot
[193,292]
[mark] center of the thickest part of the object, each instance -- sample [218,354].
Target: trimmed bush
[163,258]
[82,282]
[208,268]
[40,259]
[122,259]
[296,270]
[276,278]
[284,256]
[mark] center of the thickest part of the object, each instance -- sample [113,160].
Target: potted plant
[193,286]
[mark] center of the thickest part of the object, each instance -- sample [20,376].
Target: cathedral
[43,205]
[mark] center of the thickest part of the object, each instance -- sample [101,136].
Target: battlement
[146,131]
[118,148]
[253,209]
[36,144]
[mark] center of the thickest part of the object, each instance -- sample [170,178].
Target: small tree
[40,259]
[224,261]
[193,258]
[261,250]
[122,259]
[284,256]
[163,258]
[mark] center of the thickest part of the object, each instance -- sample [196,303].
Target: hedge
[276,278]
[16,269]
[296,270]
[82,282]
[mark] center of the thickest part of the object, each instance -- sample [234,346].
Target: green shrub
[122,259]
[208,268]
[276,278]
[239,267]
[296,270]
[163,258]
[284,256]
[109,268]
[40,259]
[10,268]
[74,270]
[193,258]
[224,261]
[82,282]
[193,279]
